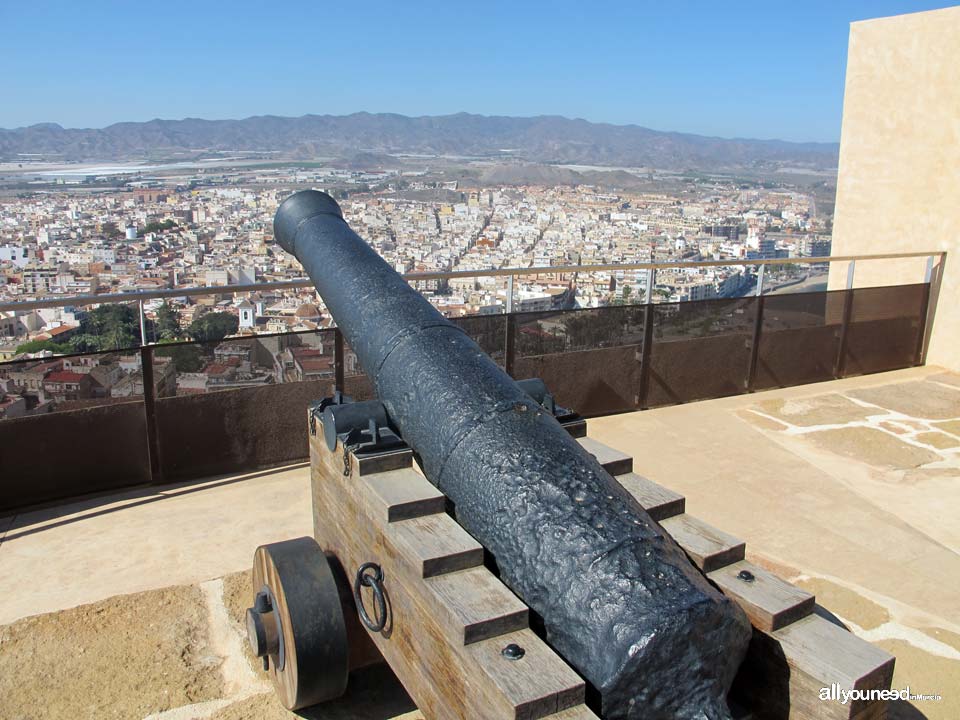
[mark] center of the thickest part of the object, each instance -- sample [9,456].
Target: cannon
[468,533]
[607,587]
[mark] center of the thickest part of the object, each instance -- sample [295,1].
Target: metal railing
[933,259]
[626,357]
[509,273]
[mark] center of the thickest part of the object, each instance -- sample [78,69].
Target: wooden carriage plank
[659,502]
[437,544]
[786,670]
[405,494]
[769,602]
[613,461]
[479,603]
[708,547]
[367,464]
[576,428]
[538,684]
[577,712]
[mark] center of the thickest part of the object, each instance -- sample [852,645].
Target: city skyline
[215,232]
[747,71]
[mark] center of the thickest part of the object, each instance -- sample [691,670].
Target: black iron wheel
[297,622]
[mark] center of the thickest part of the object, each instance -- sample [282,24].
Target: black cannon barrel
[618,598]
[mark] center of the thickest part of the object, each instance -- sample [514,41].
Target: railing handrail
[207,290]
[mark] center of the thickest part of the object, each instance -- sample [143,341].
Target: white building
[16,254]
[248,317]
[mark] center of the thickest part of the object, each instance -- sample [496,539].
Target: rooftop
[814,478]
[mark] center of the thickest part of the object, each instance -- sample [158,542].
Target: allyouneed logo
[844,696]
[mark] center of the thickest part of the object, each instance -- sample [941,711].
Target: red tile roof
[316,364]
[60,329]
[65,376]
[215,369]
[46,366]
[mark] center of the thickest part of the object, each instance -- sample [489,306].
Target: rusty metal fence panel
[799,339]
[196,409]
[700,350]
[885,330]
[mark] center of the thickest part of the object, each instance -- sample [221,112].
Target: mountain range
[541,139]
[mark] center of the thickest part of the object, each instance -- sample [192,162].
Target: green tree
[159,227]
[85,343]
[35,346]
[185,357]
[110,327]
[114,326]
[168,322]
[623,297]
[110,230]
[213,326]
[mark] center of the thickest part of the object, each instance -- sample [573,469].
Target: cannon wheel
[297,623]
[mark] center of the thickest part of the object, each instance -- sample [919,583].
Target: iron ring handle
[375,582]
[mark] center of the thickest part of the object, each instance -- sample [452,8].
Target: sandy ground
[129,656]
[176,653]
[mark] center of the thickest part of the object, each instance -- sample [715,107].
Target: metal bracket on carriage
[537,389]
[317,408]
[361,427]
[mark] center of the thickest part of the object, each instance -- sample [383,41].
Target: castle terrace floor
[130,604]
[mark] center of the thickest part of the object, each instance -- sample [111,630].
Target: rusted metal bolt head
[746,576]
[513,652]
[263,631]
[261,603]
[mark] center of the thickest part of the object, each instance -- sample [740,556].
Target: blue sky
[733,69]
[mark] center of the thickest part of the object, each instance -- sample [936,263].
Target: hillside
[543,139]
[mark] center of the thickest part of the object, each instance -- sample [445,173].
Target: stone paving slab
[947,378]
[873,447]
[845,602]
[818,410]
[939,440]
[950,426]
[921,399]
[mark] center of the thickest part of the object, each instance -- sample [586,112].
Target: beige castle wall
[899,182]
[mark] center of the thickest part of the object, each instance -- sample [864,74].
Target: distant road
[811,283]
